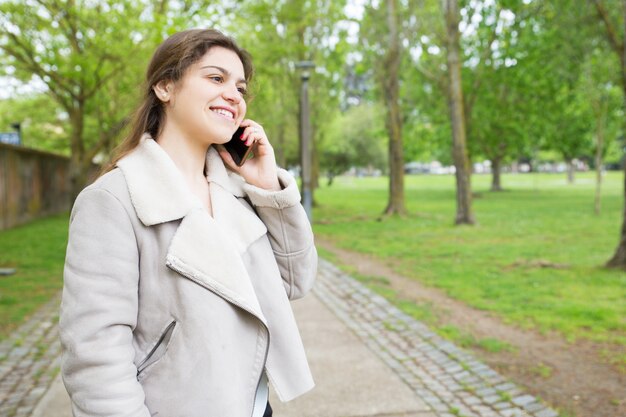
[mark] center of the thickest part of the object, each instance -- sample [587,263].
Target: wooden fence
[32,184]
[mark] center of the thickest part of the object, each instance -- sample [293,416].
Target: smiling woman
[180,264]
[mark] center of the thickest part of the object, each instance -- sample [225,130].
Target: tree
[389,81]
[53,42]
[43,126]
[617,41]
[380,46]
[571,120]
[565,40]
[284,33]
[464,213]
[90,56]
[355,138]
[601,96]
[503,77]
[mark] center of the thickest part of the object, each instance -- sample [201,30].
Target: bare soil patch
[570,376]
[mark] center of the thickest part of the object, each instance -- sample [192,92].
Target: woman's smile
[224,112]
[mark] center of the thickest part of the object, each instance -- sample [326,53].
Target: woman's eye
[217,78]
[242,90]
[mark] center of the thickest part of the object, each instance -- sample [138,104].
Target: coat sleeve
[99,309]
[289,232]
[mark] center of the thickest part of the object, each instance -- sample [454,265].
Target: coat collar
[157,188]
[205,249]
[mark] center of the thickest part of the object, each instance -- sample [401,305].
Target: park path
[369,359]
[29,361]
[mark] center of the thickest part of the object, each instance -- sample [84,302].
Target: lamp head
[305,67]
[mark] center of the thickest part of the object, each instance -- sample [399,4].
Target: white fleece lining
[156,186]
[289,196]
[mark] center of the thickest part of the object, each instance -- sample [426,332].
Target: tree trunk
[77,174]
[570,171]
[457,117]
[394,121]
[599,151]
[619,257]
[598,163]
[496,168]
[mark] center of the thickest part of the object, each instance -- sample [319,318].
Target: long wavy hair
[169,63]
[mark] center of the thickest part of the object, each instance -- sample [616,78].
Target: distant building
[433,167]
[12,138]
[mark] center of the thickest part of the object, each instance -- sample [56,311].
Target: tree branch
[106,137]
[56,83]
[472,95]
[439,80]
[611,32]
[102,80]
[73,35]
[63,12]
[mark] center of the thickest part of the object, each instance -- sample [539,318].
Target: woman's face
[208,103]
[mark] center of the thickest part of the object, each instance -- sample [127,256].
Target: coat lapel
[203,251]
[157,189]
[238,222]
[208,250]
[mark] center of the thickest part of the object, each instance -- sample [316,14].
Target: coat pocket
[159,349]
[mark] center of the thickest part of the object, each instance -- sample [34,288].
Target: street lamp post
[305,138]
[18,127]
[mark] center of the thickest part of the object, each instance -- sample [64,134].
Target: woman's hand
[261,170]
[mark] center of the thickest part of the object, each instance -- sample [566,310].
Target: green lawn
[494,265]
[37,251]
[488,266]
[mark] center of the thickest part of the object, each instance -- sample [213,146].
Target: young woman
[180,265]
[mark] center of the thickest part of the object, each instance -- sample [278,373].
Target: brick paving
[29,361]
[449,379]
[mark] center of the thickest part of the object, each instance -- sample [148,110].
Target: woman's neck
[189,155]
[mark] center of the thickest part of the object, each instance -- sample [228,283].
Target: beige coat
[170,312]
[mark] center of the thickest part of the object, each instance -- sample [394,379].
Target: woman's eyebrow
[225,72]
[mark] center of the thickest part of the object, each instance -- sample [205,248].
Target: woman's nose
[232,94]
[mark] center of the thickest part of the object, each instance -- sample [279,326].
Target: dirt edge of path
[569,376]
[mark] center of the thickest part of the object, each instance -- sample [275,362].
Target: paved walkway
[449,379]
[388,365]
[29,361]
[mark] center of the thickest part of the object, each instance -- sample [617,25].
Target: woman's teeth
[224,113]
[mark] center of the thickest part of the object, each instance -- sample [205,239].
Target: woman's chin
[219,138]
[222,140]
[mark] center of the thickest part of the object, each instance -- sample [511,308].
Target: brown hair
[170,62]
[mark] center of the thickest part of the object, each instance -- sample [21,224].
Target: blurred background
[474,148]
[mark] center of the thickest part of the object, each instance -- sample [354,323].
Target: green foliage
[536,73]
[497,266]
[37,251]
[82,53]
[355,138]
[284,33]
[90,57]
[43,125]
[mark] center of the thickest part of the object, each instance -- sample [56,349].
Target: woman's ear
[163,90]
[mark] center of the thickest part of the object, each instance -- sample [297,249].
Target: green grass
[494,265]
[542,370]
[37,251]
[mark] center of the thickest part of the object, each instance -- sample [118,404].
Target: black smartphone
[237,148]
